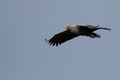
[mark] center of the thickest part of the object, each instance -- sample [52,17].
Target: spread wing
[61,37]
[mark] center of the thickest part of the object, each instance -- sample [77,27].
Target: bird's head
[70,26]
[67,26]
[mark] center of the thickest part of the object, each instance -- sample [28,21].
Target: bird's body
[73,31]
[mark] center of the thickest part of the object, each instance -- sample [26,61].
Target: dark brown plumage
[74,31]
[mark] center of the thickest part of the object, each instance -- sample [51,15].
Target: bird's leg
[94,35]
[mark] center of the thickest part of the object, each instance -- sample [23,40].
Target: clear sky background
[24,55]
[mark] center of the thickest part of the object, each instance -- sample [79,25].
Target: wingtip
[108,29]
[46,40]
[52,43]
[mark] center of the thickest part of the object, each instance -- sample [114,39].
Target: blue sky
[24,55]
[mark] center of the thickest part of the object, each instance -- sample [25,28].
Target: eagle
[73,31]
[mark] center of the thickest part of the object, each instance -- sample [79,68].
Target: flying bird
[73,31]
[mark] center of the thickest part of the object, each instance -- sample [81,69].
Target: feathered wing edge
[102,28]
[61,37]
